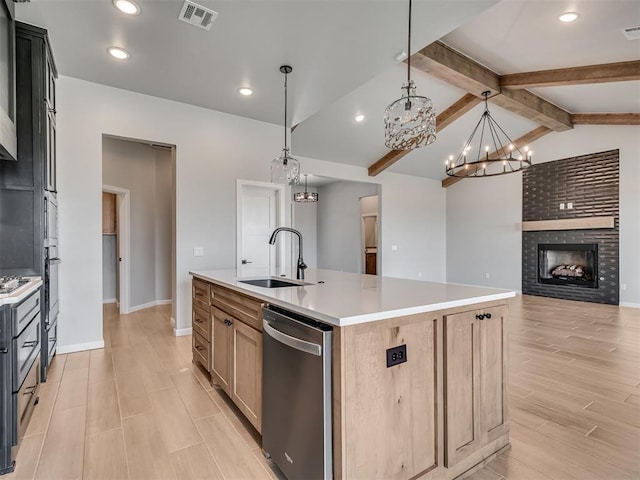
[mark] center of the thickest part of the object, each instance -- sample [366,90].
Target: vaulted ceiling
[343,54]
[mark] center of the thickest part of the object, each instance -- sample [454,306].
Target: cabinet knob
[228,322]
[480,316]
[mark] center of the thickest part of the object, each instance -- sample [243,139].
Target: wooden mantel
[587,223]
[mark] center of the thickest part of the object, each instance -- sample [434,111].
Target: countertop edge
[21,293]
[358,319]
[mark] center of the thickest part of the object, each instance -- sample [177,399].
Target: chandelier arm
[468,142]
[484,124]
[505,134]
[498,148]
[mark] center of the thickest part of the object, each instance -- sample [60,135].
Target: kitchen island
[439,413]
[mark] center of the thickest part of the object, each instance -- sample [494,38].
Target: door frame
[123,201]
[280,217]
[364,240]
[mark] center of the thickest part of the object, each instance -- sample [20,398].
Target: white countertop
[21,293]
[351,298]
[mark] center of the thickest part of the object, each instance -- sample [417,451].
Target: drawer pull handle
[228,322]
[4,350]
[30,390]
[487,315]
[199,320]
[480,316]
[198,294]
[199,348]
[29,344]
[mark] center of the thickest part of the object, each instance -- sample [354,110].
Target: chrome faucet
[301,264]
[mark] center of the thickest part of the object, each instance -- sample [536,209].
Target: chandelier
[498,157]
[306,196]
[285,169]
[410,121]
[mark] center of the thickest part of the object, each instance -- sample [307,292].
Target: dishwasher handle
[293,342]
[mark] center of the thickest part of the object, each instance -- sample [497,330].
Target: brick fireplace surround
[591,183]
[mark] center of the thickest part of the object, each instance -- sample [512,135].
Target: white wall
[340,225]
[146,173]
[484,215]
[213,149]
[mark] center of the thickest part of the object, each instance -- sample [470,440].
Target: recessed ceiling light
[127,6]
[359,117]
[245,91]
[119,53]
[568,17]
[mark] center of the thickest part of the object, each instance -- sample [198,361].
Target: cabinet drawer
[200,291]
[25,349]
[201,350]
[201,322]
[240,306]
[25,311]
[25,399]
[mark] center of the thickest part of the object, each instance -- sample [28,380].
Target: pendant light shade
[488,151]
[306,196]
[410,121]
[285,169]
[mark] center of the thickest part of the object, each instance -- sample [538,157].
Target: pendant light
[475,160]
[410,121]
[285,169]
[306,196]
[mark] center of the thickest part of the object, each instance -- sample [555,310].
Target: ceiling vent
[197,15]
[632,33]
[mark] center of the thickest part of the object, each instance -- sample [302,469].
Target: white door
[258,213]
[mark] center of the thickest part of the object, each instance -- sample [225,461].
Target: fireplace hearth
[568,264]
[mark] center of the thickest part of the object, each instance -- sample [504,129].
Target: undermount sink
[272,283]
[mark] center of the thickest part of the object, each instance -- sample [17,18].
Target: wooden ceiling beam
[609,72]
[519,142]
[537,109]
[606,118]
[441,61]
[446,118]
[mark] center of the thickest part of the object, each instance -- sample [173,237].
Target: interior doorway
[115,246]
[260,210]
[369,213]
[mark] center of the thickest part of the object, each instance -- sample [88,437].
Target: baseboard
[79,347]
[109,300]
[149,305]
[181,332]
[173,322]
[629,304]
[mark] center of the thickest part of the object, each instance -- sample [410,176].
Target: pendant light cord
[409,51]
[285,110]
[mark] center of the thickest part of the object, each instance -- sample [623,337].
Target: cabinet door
[222,332]
[50,152]
[461,392]
[247,372]
[494,374]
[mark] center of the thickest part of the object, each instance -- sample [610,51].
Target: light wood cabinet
[475,386]
[236,343]
[109,225]
[247,372]
[222,331]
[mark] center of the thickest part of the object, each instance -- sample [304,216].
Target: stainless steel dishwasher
[296,394]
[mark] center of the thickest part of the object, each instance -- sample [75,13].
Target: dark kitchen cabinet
[28,187]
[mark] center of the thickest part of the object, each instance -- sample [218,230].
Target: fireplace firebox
[568,264]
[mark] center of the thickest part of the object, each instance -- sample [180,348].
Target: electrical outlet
[570,206]
[486,275]
[624,286]
[394,248]
[562,206]
[198,251]
[396,355]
